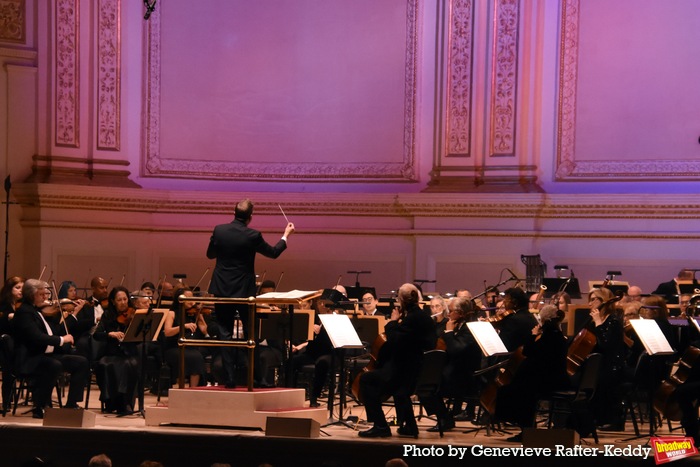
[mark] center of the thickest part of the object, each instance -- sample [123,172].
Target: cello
[584,343]
[664,399]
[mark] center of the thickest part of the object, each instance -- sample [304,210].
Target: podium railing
[248,343]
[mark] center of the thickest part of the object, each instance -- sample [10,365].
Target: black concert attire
[688,397]
[463,358]
[607,404]
[318,352]
[81,326]
[117,372]
[234,247]
[6,353]
[516,329]
[542,371]
[398,367]
[194,360]
[46,358]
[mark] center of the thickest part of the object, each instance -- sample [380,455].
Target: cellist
[463,358]
[609,333]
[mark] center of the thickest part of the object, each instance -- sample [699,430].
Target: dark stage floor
[128,441]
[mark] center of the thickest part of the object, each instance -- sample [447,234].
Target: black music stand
[556,285]
[145,327]
[343,336]
[282,326]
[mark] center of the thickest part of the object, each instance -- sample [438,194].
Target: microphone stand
[7,203]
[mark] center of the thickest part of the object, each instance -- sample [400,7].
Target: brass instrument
[539,299]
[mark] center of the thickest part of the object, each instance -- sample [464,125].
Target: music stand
[618,288]
[343,336]
[145,327]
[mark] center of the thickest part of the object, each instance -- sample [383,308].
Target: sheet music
[652,337]
[340,331]
[487,338]
[292,294]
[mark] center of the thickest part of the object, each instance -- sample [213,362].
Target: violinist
[542,371]
[410,332]
[85,317]
[195,328]
[463,358]
[72,307]
[117,372]
[10,301]
[515,328]
[48,349]
[608,330]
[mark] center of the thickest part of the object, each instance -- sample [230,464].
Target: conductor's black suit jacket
[234,247]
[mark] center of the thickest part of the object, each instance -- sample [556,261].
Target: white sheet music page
[653,339]
[341,331]
[487,338]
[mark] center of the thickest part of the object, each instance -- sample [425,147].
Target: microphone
[513,276]
[150,297]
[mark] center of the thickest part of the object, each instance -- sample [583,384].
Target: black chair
[430,376]
[24,381]
[576,403]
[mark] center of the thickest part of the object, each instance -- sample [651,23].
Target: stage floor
[128,441]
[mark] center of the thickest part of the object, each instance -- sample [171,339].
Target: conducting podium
[281,299]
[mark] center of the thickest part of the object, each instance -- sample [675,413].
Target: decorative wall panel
[67,105]
[628,108]
[13,19]
[504,77]
[334,102]
[108,75]
[459,78]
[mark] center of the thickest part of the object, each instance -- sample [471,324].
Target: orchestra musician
[608,330]
[10,300]
[542,371]
[195,328]
[48,349]
[72,306]
[117,372]
[516,325]
[234,247]
[409,333]
[370,302]
[670,290]
[317,352]
[463,358]
[439,312]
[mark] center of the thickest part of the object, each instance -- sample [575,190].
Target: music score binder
[651,336]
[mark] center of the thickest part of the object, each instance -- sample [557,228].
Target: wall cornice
[433,205]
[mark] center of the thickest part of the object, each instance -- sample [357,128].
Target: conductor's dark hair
[244,210]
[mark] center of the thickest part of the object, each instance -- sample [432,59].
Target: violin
[664,400]
[124,318]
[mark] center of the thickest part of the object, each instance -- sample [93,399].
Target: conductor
[234,247]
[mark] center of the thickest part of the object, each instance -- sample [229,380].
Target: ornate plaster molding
[504,77]
[108,75]
[459,78]
[157,165]
[13,21]
[66,75]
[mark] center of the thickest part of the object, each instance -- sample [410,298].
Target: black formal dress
[45,358]
[234,247]
[607,404]
[117,372]
[398,367]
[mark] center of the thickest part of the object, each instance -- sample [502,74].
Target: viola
[664,400]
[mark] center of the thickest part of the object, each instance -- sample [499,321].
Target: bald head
[409,295]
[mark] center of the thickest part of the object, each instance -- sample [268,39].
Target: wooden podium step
[218,406]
